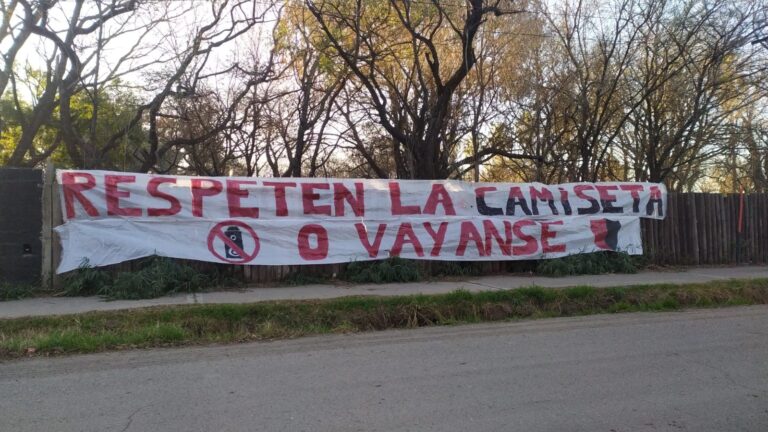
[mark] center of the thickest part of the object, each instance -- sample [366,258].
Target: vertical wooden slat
[725,249]
[713,243]
[702,232]
[681,233]
[730,227]
[684,232]
[734,225]
[744,236]
[735,213]
[652,224]
[753,202]
[707,230]
[715,225]
[717,236]
[667,233]
[688,230]
[705,227]
[753,235]
[762,236]
[762,228]
[720,229]
[673,231]
[752,228]
[691,225]
[56,219]
[46,236]
[726,229]
[756,207]
[694,229]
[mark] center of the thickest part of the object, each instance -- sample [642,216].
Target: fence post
[46,236]
[51,219]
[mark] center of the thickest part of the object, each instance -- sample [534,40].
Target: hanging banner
[113,217]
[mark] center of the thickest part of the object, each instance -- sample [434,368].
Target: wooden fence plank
[705,227]
[669,231]
[754,255]
[721,227]
[694,225]
[761,229]
[731,219]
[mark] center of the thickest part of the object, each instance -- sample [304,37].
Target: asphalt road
[696,371]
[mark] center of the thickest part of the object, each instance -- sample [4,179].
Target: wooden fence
[699,229]
[702,228]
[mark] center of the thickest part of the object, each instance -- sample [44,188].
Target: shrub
[455,268]
[593,263]
[393,269]
[160,277]
[11,291]
[86,280]
[157,276]
[299,278]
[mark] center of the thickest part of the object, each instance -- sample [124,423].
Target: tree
[410,58]
[302,114]
[699,84]
[65,69]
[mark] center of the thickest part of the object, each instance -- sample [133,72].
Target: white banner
[113,217]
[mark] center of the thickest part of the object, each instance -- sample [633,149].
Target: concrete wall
[20,225]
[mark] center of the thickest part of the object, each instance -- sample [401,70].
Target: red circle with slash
[218,232]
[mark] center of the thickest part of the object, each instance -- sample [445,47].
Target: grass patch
[201,324]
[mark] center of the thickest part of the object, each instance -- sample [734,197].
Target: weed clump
[11,291]
[299,278]
[586,264]
[86,281]
[455,268]
[157,277]
[393,269]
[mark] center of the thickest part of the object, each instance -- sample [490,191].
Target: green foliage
[158,277]
[299,278]
[579,292]
[114,104]
[394,269]
[86,281]
[391,270]
[162,276]
[538,294]
[455,268]
[587,264]
[10,291]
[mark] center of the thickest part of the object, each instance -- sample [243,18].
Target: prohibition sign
[218,232]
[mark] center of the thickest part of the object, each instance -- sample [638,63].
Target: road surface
[700,371]
[68,305]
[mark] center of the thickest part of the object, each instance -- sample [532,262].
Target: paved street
[67,305]
[704,370]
